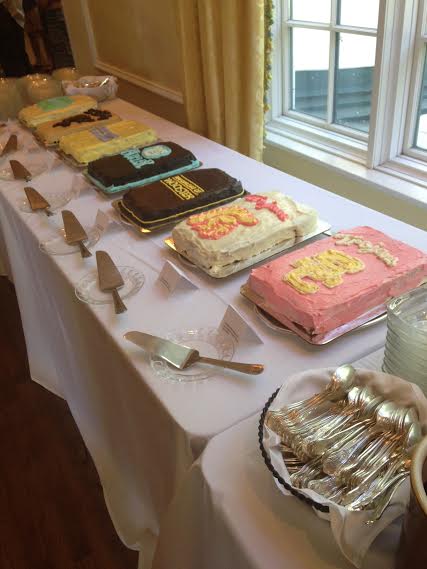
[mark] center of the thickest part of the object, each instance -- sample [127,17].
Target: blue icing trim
[115,189]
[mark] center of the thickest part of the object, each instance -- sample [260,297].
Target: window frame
[395,95]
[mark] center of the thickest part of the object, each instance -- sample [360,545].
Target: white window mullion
[396,32]
[332,57]
[276,95]
[415,84]
[383,80]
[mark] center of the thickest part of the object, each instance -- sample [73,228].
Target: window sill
[385,179]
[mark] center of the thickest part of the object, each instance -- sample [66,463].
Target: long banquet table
[144,433]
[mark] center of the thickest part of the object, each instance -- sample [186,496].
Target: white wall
[135,40]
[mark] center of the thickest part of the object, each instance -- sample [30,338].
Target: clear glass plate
[87,290]
[56,200]
[58,246]
[209,341]
[35,163]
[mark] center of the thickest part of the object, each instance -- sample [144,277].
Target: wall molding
[140,81]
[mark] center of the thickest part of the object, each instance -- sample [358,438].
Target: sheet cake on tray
[56,108]
[243,233]
[140,166]
[50,132]
[91,144]
[342,279]
[167,201]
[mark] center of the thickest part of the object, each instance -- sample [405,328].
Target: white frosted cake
[216,240]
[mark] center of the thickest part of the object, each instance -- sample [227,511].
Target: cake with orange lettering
[169,200]
[336,280]
[220,238]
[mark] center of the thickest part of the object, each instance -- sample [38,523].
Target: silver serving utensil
[19,171]
[37,201]
[182,357]
[10,146]
[74,232]
[110,279]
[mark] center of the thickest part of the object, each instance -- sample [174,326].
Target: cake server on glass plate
[182,357]
[10,146]
[74,232]
[19,171]
[37,201]
[110,279]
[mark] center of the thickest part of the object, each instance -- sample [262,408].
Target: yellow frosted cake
[51,132]
[55,109]
[96,142]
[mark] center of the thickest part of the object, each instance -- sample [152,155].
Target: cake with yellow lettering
[169,200]
[54,109]
[219,239]
[50,132]
[336,280]
[98,141]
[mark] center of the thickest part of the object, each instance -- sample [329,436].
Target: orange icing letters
[220,222]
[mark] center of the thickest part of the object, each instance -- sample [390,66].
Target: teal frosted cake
[140,166]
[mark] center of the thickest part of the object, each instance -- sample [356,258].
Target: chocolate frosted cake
[171,199]
[50,132]
[140,166]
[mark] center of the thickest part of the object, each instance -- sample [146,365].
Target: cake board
[372,316]
[285,246]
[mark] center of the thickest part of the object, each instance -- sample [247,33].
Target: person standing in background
[13,57]
[36,32]
[56,34]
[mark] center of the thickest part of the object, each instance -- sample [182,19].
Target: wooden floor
[52,511]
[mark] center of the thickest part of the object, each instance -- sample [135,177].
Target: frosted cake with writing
[140,166]
[50,132]
[55,109]
[251,225]
[100,141]
[171,199]
[334,281]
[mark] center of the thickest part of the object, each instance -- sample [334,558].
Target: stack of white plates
[405,352]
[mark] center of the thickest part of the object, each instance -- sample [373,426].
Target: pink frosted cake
[336,280]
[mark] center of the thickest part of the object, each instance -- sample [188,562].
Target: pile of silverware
[347,443]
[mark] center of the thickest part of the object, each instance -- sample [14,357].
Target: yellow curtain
[223,60]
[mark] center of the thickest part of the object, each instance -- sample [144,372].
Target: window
[350,78]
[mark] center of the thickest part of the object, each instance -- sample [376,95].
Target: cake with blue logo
[99,141]
[140,166]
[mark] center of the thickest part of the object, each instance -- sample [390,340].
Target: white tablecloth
[230,513]
[144,433]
